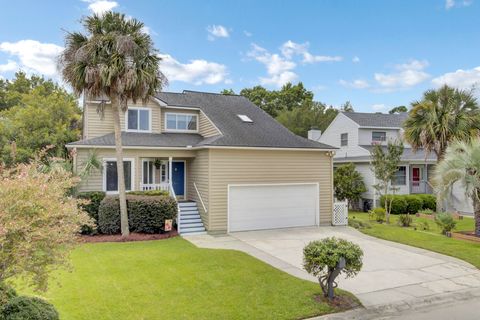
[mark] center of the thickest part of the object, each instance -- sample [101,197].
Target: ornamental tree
[327,258]
[348,183]
[39,221]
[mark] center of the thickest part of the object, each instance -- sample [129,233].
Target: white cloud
[278,67]
[291,48]
[9,66]
[355,59]
[355,84]
[378,107]
[34,56]
[460,79]
[406,75]
[197,71]
[449,4]
[101,6]
[247,33]
[217,31]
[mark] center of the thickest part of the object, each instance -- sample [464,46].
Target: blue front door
[178,177]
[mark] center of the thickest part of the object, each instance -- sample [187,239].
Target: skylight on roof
[244,118]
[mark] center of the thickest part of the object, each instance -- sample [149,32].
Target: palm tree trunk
[439,199]
[476,212]
[120,171]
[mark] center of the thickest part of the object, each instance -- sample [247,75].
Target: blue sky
[377,54]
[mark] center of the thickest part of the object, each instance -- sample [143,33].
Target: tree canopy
[35,113]
[398,109]
[348,184]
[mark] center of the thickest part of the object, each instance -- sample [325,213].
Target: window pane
[181,122]
[379,136]
[133,119]
[144,120]
[145,172]
[400,177]
[344,139]
[127,167]
[150,172]
[192,122]
[112,178]
[171,122]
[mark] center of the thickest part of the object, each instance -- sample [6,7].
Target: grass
[172,279]
[430,239]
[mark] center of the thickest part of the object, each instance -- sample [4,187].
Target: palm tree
[461,164]
[114,58]
[440,117]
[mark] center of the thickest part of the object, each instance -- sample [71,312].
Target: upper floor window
[379,136]
[181,122]
[139,119]
[344,139]
[400,177]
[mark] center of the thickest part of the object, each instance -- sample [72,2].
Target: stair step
[187,204]
[189,213]
[191,219]
[184,225]
[192,208]
[193,233]
[190,230]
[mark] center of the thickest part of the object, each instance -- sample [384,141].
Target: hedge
[146,214]
[410,203]
[29,308]
[91,208]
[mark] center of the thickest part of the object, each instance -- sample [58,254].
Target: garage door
[256,207]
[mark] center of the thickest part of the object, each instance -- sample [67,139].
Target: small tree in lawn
[348,184]
[385,166]
[39,222]
[327,258]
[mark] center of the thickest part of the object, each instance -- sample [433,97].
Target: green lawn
[430,240]
[172,279]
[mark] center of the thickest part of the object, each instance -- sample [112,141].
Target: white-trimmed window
[110,176]
[138,119]
[344,139]
[379,136]
[182,122]
[400,177]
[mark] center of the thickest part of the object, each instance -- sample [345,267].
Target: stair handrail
[200,197]
[174,196]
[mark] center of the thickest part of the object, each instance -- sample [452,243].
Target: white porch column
[170,170]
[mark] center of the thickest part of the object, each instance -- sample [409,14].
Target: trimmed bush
[149,193]
[445,221]
[405,220]
[7,293]
[91,208]
[146,214]
[378,214]
[399,204]
[427,212]
[29,308]
[414,203]
[429,201]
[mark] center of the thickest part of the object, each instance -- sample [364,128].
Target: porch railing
[200,197]
[420,187]
[155,186]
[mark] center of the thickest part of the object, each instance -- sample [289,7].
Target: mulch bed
[466,235]
[131,237]
[344,302]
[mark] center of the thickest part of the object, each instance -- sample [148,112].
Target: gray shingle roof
[223,110]
[408,154]
[378,120]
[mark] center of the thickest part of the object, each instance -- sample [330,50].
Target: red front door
[416,176]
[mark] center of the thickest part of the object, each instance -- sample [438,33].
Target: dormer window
[244,118]
[181,122]
[139,119]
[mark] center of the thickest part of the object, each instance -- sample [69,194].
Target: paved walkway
[393,274]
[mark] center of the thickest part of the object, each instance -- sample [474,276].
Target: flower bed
[466,235]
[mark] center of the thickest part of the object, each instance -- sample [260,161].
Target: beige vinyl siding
[95,181]
[173,110]
[266,166]
[198,173]
[207,129]
[96,126]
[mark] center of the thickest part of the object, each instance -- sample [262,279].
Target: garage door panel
[256,207]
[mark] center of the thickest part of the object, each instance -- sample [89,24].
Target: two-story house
[355,134]
[230,165]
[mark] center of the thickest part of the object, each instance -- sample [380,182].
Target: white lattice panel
[340,214]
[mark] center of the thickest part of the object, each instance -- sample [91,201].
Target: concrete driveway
[392,273]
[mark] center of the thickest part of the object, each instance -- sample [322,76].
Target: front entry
[178,177]
[415,176]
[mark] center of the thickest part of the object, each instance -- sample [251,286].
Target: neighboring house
[218,154]
[356,133]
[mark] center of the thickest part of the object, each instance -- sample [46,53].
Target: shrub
[399,204]
[149,193]
[378,214]
[429,201]
[94,199]
[426,211]
[321,258]
[146,214]
[445,221]
[357,224]
[424,225]
[29,308]
[6,294]
[414,203]
[404,220]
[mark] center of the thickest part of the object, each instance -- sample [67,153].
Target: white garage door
[256,207]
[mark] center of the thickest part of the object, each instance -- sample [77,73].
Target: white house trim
[104,174]
[149,119]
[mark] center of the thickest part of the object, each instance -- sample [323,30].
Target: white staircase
[189,218]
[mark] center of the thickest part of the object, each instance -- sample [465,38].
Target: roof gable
[377,120]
